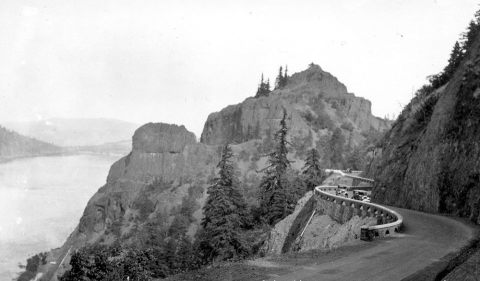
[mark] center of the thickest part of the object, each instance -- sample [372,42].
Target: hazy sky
[177,61]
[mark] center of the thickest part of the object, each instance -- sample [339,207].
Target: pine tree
[263,88]
[274,185]
[278,80]
[223,212]
[455,59]
[313,173]
[281,80]
[469,35]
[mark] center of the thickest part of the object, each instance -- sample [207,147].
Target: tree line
[264,90]
[458,53]
[226,228]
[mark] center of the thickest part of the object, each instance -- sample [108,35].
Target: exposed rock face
[325,233]
[429,159]
[279,234]
[168,170]
[159,138]
[165,165]
[315,101]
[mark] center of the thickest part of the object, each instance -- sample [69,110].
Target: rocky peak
[314,77]
[315,101]
[161,137]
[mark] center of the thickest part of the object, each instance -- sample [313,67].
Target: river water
[41,202]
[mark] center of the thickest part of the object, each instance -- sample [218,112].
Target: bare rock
[160,137]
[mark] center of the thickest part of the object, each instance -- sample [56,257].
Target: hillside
[76,132]
[160,187]
[14,145]
[428,161]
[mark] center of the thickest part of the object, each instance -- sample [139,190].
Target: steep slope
[166,164]
[160,186]
[14,145]
[76,132]
[316,103]
[429,159]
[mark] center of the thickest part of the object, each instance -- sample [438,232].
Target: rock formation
[315,101]
[168,171]
[429,159]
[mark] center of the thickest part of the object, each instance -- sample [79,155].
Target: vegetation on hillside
[13,144]
[263,88]
[230,229]
[313,173]
[224,215]
[459,51]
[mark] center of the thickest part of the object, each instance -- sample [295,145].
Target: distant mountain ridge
[14,145]
[76,132]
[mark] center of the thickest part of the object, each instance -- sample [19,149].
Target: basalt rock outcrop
[429,160]
[165,176]
[166,165]
[316,103]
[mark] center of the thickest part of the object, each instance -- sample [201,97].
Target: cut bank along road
[426,238]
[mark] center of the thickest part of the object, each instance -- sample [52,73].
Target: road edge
[441,268]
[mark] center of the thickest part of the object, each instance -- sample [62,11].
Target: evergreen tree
[274,186]
[263,88]
[223,212]
[454,61]
[313,173]
[469,36]
[281,80]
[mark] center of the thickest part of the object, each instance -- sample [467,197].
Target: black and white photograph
[254,140]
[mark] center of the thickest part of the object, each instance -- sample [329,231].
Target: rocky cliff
[161,185]
[165,166]
[429,160]
[316,103]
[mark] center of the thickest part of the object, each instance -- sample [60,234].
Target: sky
[177,61]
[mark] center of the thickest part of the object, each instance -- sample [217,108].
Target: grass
[266,268]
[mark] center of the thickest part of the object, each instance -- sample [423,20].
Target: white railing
[394,220]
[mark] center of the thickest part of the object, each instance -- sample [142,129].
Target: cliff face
[429,159]
[165,166]
[315,101]
[163,181]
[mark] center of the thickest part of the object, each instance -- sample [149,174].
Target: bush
[347,126]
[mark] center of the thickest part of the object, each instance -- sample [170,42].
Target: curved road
[425,239]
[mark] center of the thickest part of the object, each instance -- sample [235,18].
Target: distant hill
[76,132]
[13,145]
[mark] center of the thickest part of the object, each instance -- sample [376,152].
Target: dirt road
[426,238]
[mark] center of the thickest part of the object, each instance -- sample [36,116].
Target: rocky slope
[162,183]
[166,165]
[14,145]
[429,159]
[316,102]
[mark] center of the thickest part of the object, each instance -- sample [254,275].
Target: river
[41,202]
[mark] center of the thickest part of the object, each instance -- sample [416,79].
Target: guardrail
[389,220]
[344,173]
